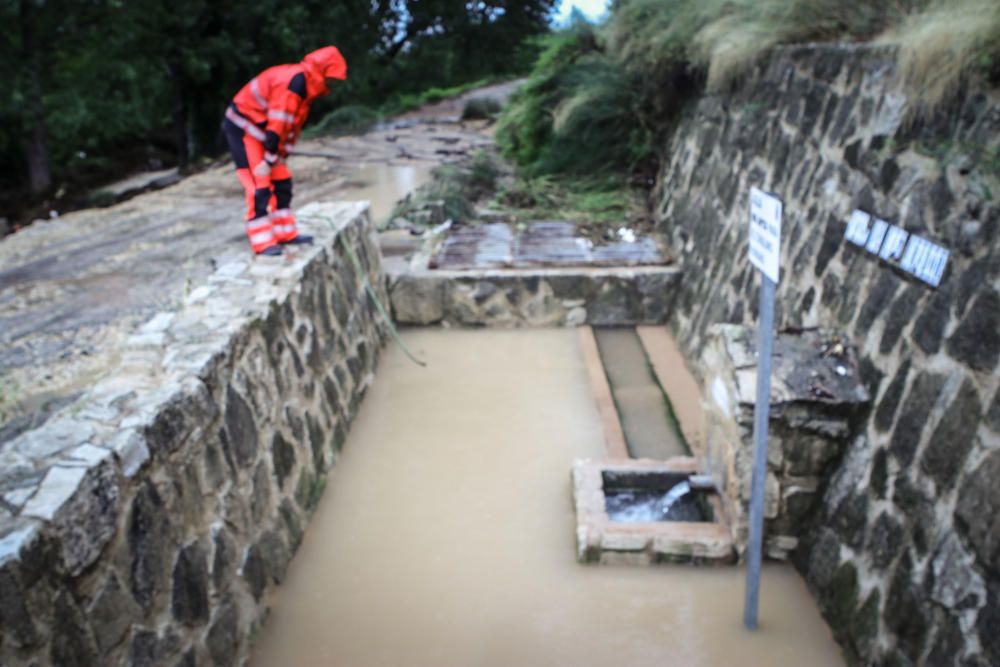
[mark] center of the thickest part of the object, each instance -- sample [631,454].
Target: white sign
[765,232]
[911,253]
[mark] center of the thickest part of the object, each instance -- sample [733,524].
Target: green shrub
[576,114]
[481,108]
[453,190]
[350,119]
[409,101]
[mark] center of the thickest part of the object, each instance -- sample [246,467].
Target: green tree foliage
[599,97]
[87,81]
[576,114]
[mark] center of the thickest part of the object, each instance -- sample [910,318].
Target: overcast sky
[592,8]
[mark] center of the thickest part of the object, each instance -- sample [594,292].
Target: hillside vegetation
[96,89]
[599,95]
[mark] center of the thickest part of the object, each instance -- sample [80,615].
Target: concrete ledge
[601,540]
[147,522]
[816,393]
[534,297]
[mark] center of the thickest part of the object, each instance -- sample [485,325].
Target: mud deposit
[445,536]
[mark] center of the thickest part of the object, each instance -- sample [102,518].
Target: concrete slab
[601,540]
[547,243]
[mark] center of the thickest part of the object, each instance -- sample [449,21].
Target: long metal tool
[373,295]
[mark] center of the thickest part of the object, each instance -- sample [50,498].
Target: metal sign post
[765,247]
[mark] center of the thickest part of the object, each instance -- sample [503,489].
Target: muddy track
[72,289]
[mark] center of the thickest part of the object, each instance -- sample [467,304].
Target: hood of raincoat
[325,63]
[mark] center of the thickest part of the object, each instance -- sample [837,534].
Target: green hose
[374,296]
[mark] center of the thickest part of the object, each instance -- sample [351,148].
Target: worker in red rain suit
[261,126]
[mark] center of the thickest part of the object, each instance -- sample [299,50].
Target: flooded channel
[446,535]
[649,426]
[383,185]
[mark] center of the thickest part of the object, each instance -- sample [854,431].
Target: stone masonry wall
[904,556]
[815,396]
[148,524]
[534,297]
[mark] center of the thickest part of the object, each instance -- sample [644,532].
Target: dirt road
[72,289]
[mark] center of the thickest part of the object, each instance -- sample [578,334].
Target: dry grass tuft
[938,48]
[941,41]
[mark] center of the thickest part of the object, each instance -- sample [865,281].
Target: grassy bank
[598,95]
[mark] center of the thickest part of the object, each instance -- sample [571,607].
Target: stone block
[615,304]
[916,505]
[282,457]
[292,523]
[976,341]
[418,299]
[149,540]
[905,612]
[920,400]
[223,557]
[241,428]
[265,563]
[885,541]
[260,495]
[864,628]
[953,438]
[189,602]
[930,325]
[58,486]
[808,455]
[886,411]
[976,515]
[111,613]
[17,627]
[987,623]
[840,601]
[993,414]
[82,507]
[223,636]
[954,581]
[57,435]
[73,641]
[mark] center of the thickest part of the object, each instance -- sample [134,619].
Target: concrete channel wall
[152,520]
[904,554]
[534,297]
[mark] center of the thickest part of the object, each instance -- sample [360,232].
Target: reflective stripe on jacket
[280,97]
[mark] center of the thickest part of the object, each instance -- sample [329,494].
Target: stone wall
[148,524]
[904,556]
[816,396]
[534,297]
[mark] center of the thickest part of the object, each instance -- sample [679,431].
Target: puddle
[650,430]
[446,535]
[383,185]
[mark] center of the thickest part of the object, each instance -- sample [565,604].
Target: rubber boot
[301,239]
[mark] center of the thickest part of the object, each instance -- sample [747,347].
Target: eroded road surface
[73,289]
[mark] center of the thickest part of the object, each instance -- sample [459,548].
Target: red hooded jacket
[278,99]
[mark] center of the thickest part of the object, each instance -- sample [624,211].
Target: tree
[87,77]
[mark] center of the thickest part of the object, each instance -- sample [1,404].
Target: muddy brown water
[446,535]
[383,185]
